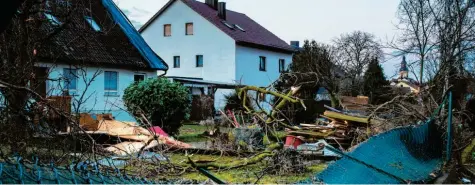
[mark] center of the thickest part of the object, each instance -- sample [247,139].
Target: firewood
[345,117]
[307,125]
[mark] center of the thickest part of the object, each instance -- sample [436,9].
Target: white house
[94,58]
[209,43]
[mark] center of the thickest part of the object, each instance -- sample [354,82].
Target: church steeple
[403,71]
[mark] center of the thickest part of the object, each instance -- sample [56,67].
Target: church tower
[403,71]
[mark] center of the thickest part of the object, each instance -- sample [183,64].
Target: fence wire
[23,173]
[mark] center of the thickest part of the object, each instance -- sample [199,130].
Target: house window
[189,28]
[139,77]
[176,61]
[93,23]
[52,19]
[281,65]
[70,79]
[262,63]
[111,82]
[167,30]
[199,60]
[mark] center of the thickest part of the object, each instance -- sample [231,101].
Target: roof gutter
[264,47]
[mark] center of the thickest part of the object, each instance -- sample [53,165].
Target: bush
[165,103]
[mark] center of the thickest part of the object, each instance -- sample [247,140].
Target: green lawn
[194,132]
[244,175]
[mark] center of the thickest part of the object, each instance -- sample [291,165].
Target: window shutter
[110,81]
[167,30]
[189,28]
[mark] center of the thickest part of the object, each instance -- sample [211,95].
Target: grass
[194,132]
[244,175]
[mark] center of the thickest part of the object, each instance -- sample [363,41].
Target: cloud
[136,16]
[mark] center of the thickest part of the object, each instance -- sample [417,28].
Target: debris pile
[336,128]
[130,138]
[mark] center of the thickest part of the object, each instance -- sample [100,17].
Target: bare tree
[354,51]
[418,34]
[441,35]
[314,67]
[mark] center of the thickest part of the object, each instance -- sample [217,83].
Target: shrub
[165,103]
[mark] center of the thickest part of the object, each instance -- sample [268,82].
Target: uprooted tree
[313,67]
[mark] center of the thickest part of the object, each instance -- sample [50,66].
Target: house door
[39,82]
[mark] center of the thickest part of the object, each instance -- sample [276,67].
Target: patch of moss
[192,138]
[194,133]
[243,175]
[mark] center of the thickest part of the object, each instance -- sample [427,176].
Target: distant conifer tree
[376,87]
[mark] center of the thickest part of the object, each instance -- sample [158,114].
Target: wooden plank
[88,123]
[345,117]
[311,134]
[308,125]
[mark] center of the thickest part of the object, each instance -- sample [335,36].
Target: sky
[320,20]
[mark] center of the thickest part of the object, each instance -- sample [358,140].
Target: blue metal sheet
[408,154]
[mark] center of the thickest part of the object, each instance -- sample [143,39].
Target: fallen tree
[269,152]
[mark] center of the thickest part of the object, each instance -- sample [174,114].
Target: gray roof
[200,81]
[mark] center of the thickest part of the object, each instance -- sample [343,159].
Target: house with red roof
[209,45]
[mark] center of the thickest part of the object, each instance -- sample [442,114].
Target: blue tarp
[402,155]
[135,38]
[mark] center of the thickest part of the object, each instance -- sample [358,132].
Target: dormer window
[93,23]
[228,25]
[239,28]
[52,19]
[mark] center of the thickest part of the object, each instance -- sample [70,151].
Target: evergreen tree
[375,86]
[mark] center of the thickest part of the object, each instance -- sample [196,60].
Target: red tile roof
[254,35]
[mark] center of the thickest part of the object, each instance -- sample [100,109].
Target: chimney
[295,44]
[212,3]
[222,10]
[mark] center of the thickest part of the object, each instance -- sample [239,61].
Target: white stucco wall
[247,66]
[94,99]
[217,48]
[223,60]
[247,69]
